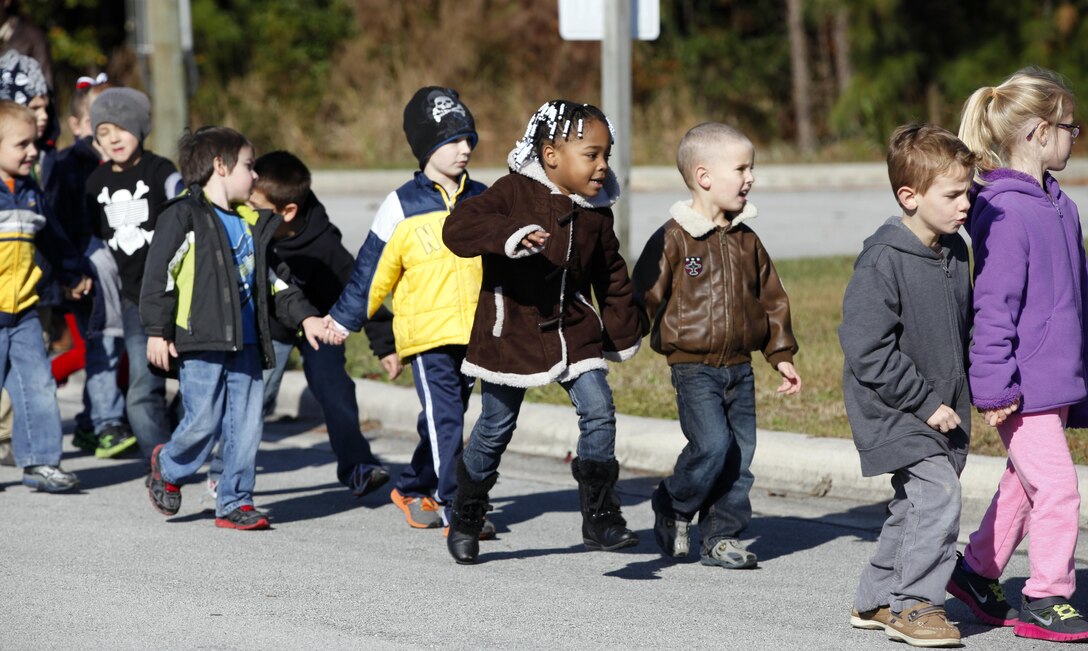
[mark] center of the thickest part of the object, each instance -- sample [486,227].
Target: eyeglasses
[1073,129]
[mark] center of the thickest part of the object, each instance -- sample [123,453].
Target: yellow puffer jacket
[434,292]
[19,273]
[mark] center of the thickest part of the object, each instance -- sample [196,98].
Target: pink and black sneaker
[1051,618]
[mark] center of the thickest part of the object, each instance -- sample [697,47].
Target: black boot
[467,515]
[603,527]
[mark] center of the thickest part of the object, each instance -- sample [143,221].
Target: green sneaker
[114,440]
[85,439]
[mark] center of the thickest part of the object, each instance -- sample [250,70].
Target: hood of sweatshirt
[894,233]
[311,224]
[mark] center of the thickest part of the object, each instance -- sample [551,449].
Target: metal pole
[616,100]
[169,111]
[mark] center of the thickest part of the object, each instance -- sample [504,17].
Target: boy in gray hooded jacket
[905,329]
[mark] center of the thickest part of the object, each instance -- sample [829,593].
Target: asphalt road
[102,569]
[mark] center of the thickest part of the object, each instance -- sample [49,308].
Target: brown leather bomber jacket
[711,295]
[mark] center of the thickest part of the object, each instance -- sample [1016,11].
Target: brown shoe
[923,625]
[871,620]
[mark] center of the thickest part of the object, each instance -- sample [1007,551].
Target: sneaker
[364,482]
[420,512]
[728,553]
[923,625]
[50,479]
[486,533]
[1051,618]
[983,596]
[210,495]
[114,440]
[871,620]
[243,518]
[672,535]
[85,439]
[165,497]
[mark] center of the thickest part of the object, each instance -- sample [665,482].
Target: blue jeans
[443,393]
[221,397]
[334,390]
[103,404]
[146,399]
[712,477]
[26,374]
[592,400]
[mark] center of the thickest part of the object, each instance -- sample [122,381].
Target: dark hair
[197,151]
[82,96]
[567,124]
[283,178]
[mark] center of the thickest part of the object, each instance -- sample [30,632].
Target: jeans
[443,393]
[221,394]
[103,403]
[916,553]
[334,390]
[592,400]
[717,408]
[26,374]
[146,399]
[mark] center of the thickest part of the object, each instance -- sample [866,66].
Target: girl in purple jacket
[1027,358]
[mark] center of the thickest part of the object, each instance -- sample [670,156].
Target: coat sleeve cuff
[622,355]
[928,407]
[514,241]
[777,358]
[1007,398]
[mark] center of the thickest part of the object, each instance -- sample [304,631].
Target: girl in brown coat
[545,235]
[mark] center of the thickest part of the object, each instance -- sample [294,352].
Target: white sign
[583,20]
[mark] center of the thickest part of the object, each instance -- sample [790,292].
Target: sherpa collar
[608,195]
[697,225]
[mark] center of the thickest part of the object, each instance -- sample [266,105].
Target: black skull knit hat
[434,116]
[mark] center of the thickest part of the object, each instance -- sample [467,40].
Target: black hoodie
[321,267]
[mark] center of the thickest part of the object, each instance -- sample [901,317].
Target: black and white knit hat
[434,116]
[21,78]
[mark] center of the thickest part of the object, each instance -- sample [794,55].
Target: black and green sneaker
[114,440]
[85,439]
[1051,618]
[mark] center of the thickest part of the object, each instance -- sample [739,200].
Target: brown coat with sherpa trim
[711,294]
[534,322]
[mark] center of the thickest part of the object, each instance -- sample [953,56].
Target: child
[434,294]
[310,245]
[905,326]
[205,296]
[23,82]
[94,322]
[1027,357]
[534,321]
[125,198]
[24,367]
[712,295]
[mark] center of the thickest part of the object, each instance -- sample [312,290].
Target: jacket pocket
[500,312]
[592,309]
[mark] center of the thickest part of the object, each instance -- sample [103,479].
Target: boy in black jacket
[320,265]
[209,278]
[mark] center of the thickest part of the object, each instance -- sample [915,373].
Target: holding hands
[328,331]
[995,417]
[80,289]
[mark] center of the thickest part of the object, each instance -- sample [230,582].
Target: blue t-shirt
[241,244]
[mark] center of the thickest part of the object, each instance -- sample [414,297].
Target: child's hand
[393,367]
[995,417]
[314,330]
[944,420]
[332,333]
[159,352]
[80,289]
[791,380]
[535,239]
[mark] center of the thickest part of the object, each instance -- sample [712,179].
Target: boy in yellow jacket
[434,295]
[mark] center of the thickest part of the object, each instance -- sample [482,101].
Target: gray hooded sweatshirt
[905,329]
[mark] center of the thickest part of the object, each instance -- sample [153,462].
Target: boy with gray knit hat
[124,196]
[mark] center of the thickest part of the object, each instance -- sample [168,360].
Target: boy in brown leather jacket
[711,295]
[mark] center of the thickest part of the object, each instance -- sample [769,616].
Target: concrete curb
[666,179]
[783,460]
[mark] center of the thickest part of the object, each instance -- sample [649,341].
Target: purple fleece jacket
[1030,283]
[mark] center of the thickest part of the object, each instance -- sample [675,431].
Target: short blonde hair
[994,116]
[919,153]
[11,112]
[701,143]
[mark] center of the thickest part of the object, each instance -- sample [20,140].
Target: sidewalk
[784,461]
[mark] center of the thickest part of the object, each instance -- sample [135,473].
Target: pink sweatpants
[1037,495]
